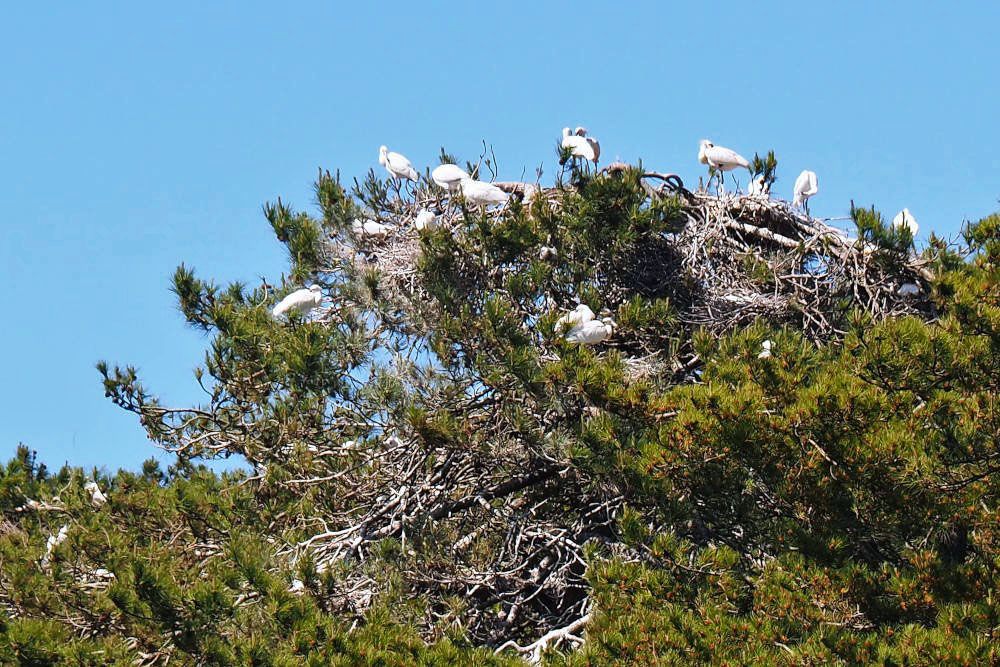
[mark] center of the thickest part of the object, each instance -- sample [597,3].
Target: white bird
[580,145]
[301,301]
[52,542]
[478,192]
[582,313]
[806,186]
[297,587]
[765,350]
[426,221]
[908,289]
[370,228]
[547,252]
[758,187]
[97,499]
[720,157]
[396,164]
[449,176]
[592,332]
[905,220]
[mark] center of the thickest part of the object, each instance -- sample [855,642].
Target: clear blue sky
[133,138]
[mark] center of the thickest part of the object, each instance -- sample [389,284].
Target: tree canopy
[435,475]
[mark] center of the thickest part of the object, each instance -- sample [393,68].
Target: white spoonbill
[449,176]
[721,158]
[580,145]
[301,301]
[396,164]
[478,192]
[806,186]
[97,499]
[582,313]
[905,220]
[592,332]
[426,221]
[370,229]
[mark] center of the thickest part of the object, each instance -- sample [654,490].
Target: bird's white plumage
[426,221]
[582,313]
[720,157]
[765,350]
[905,219]
[396,164]
[370,229]
[97,498]
[300,301]
[581,145]
[547,252]
[805,187]
[758,187]
[449,176]
[478,192]
[592,332]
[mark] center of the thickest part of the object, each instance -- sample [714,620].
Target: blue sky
[133,138]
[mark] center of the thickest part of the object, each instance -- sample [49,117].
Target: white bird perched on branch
[579,315]
[52,542]
[592,332]
[449,176]
[806,186]
[97,499]
[396,164]
[719,157]
[905,220]
[426,221]
[478,192]
[370,228]
[301,301]
[580,145]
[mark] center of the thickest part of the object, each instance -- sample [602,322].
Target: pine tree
[435,475]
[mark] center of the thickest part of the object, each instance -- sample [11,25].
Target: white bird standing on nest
[592,332]
[97,499]
[449,176]
[396,164]
[720,158]
[301,301]
[905,220]
[426,221]
[484,194]
[582,313]
[806,186]
[580,145]
[370,229]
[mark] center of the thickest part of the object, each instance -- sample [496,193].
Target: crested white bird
[905,219]
[592,332]
[908,289]
[478,192]
[580,145]
[806,186]
[426,221]
[582,313]
[449,176]
[396,164]
[97,499]
[765,350]
[370,228]
[719,157]
[300,301]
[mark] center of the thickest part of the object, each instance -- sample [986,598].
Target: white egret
[300,301]
[449,176]
[720,158]
[908,289]
[396,164]
[806,186]
[765,350]
[370,229]
[478,192]
[426,221]
[581,145]
[52,542]
[905,220]
[97,499]
[592,332]
[582,313]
